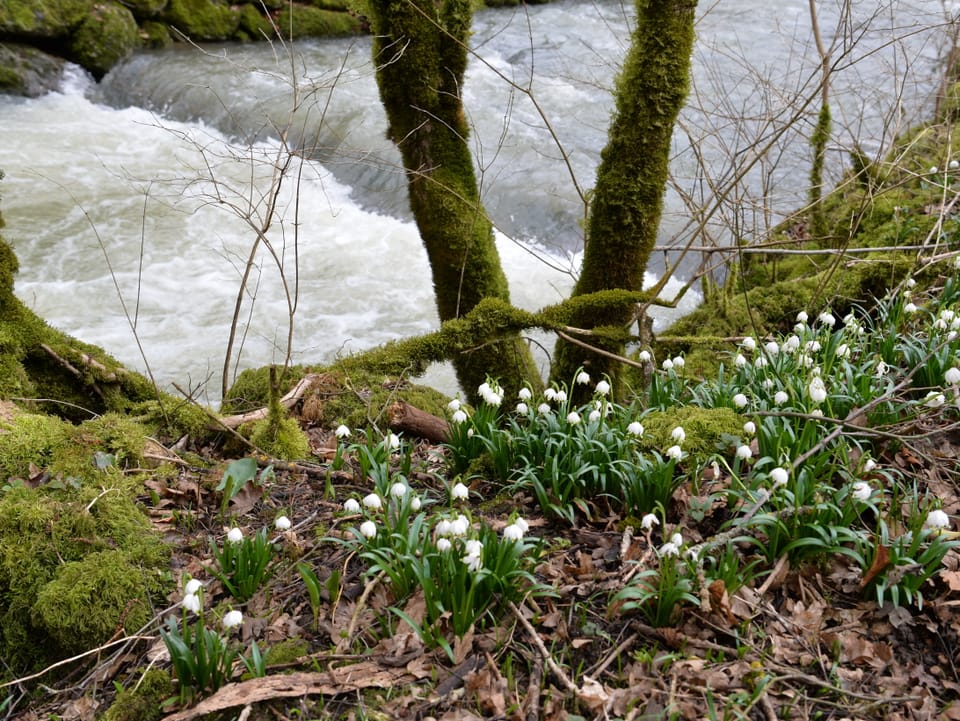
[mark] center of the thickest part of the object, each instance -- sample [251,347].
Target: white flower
[372,501]
[934,170]
[802,316]
[816,413]
[669,549]
[827,319]
[779,476]
[282,523]
[678,434]
[780,397]
[760,362]
[351,506]
[676,539]
[393,441]
[603,388]
[474,563]
[869,465]
[843,351]
[679,362]
[744,452]
[952,376]
[521,524]
[817,390]
[937,519]
[231,619]
[368,529]
[740,360]
[524,394]
[443,544]
[767,384]
[812,346]
[444,527]
[454,405]
[513,532]
[675,453]
[649,521]
[635,429]
[550,394]
[573,418]
[668,365]
[862,491]
[398,490]
[484,389]
[954,164]
[772,348]
[460,492]
[583,378]
[415,503]
[595,416]
[740,400]
[749,428]
[460,526]
[235,535]
[644,355]
[561,396]
[342,431]
[473,547]
[934,399]
[791,344]
[910,308]
[522,408]
[543,409]
[191,602]
[749,344]
[881,369]
[459,416]
[192,587]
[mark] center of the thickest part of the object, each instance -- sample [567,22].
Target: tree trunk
[420,49]
[628,197]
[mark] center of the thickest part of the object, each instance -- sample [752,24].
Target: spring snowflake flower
[780,397]
[952,376]
[635,429]
[573,418]
[544,409]
[342,431]
[827,319]
[443,544]
[603,388]
[843,351]
[817,390]
[744,452]
[474,563]
[459,416]
[678,434]
[192,587]
[550,394]
[937,519]
[595,416]
[802,317]
[522,408]
[934,399]
[645,357]
[772,348]
[668,365]
[373,502]
[583,378]
[749,344]
[513,532]
[368,529]
[812,346]
[910,308]
[791,344]
[415,503]
[880,370]
[767,384]
[232,619]
[521,524]
[676,539]
[954,164]
[750,428]
[675,453]
[393,441]
[398,490]
[561,397]
[351,506]
[454,405]
[444,527]
[460,526]
[473,547]
[460,492]
[862,491]
[934,170]
[761,362]
[649,521]
[869,465]
[524,394]
[191,602]
[779,476]
[740,400]
[740,360]
[235,535]
[282,523]
[679,362]
[669,549]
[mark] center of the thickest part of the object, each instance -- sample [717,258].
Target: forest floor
[797,643]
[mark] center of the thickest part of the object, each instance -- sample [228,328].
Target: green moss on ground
[707,429]
[143,701]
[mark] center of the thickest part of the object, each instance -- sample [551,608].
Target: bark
[420,49]
[628,196]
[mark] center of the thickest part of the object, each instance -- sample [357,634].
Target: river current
[132,204]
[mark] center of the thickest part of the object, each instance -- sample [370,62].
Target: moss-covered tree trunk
[420,50]
[628,196]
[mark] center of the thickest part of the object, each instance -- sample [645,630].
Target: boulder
[106,36]
[24,70]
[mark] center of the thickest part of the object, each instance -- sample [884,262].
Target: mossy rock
[281,438]
[143,700]
[41,18]
[254,25]
[26,71]
[302,21]
[144,9]
[30,439]
[155,35]
[106,36]
[706,429]
[203,19]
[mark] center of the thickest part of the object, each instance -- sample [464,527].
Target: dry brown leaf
[880,561]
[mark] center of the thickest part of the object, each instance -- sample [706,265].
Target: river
[130,204]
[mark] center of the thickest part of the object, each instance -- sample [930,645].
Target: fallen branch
[410,420]
[288,401]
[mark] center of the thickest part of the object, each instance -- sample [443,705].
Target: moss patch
[106,36]
[302,21]
[705,428]
[203,19]
[143,701]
